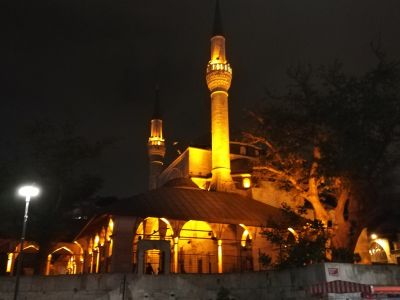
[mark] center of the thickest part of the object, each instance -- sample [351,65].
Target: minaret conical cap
[157,109]
[217,29]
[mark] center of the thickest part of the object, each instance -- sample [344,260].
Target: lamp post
[27,191]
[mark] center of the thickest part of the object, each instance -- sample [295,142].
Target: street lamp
[27,191]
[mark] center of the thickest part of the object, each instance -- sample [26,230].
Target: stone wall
[288,284]
[61,287]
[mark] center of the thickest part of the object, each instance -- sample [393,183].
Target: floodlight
[28,191]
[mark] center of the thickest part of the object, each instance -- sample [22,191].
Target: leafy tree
[304,244]
[55,158]
[265,260]
[332,142]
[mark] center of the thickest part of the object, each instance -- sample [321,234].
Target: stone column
[176,257]
[219,256]
[121,259]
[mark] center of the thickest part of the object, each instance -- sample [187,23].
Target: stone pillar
[176,257]
[219,256]
[48,264]
[121,259]
[163,246]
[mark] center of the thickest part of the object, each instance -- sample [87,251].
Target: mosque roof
[189,203]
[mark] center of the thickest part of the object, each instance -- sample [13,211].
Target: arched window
[152,228]
[378,254]
[197,248]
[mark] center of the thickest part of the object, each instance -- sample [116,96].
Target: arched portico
[197,248]
[246,253]
[378,253]
[65,258]
[164,255]
[30,251]
[61,261]
[153,229]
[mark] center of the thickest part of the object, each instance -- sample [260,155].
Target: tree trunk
[341,230]
[313,192]
[341,236]
[313,197]
[346,231]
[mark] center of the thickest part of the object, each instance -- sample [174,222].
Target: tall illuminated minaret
[219,77]
[156,145]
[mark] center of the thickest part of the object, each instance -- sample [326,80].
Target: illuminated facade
[197,216]
[63,258]
[178,228]
[202,214]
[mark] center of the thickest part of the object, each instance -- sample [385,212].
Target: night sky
[96,63]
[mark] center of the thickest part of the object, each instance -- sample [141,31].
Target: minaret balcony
[219,76]
[216,66]
[156,141]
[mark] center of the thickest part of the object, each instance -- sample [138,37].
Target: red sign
[333,271]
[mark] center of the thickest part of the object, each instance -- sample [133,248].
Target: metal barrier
[195,263]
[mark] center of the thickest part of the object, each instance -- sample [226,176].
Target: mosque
[197,216]
[202,213]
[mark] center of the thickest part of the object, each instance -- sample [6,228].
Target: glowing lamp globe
[28,191]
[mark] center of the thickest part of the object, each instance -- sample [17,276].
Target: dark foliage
[332,140]
[303,246]
[56,159]
[223,294]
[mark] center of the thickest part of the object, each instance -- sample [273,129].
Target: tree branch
[285,177]
[257,140]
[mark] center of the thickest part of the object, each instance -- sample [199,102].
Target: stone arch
[230,249]
[65,258]
[31,250]
[362,247]
[61,249]
[378,252]
[108,245]
[99,246]
[61,261]
[153,229]
[246,252]
[197,248]
[159,245]
[246,236]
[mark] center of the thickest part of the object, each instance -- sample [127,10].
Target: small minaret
[156,145]
[219,77]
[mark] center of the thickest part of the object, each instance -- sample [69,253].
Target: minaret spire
[219,77]
[157,109]
[156,143]
[217,29]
